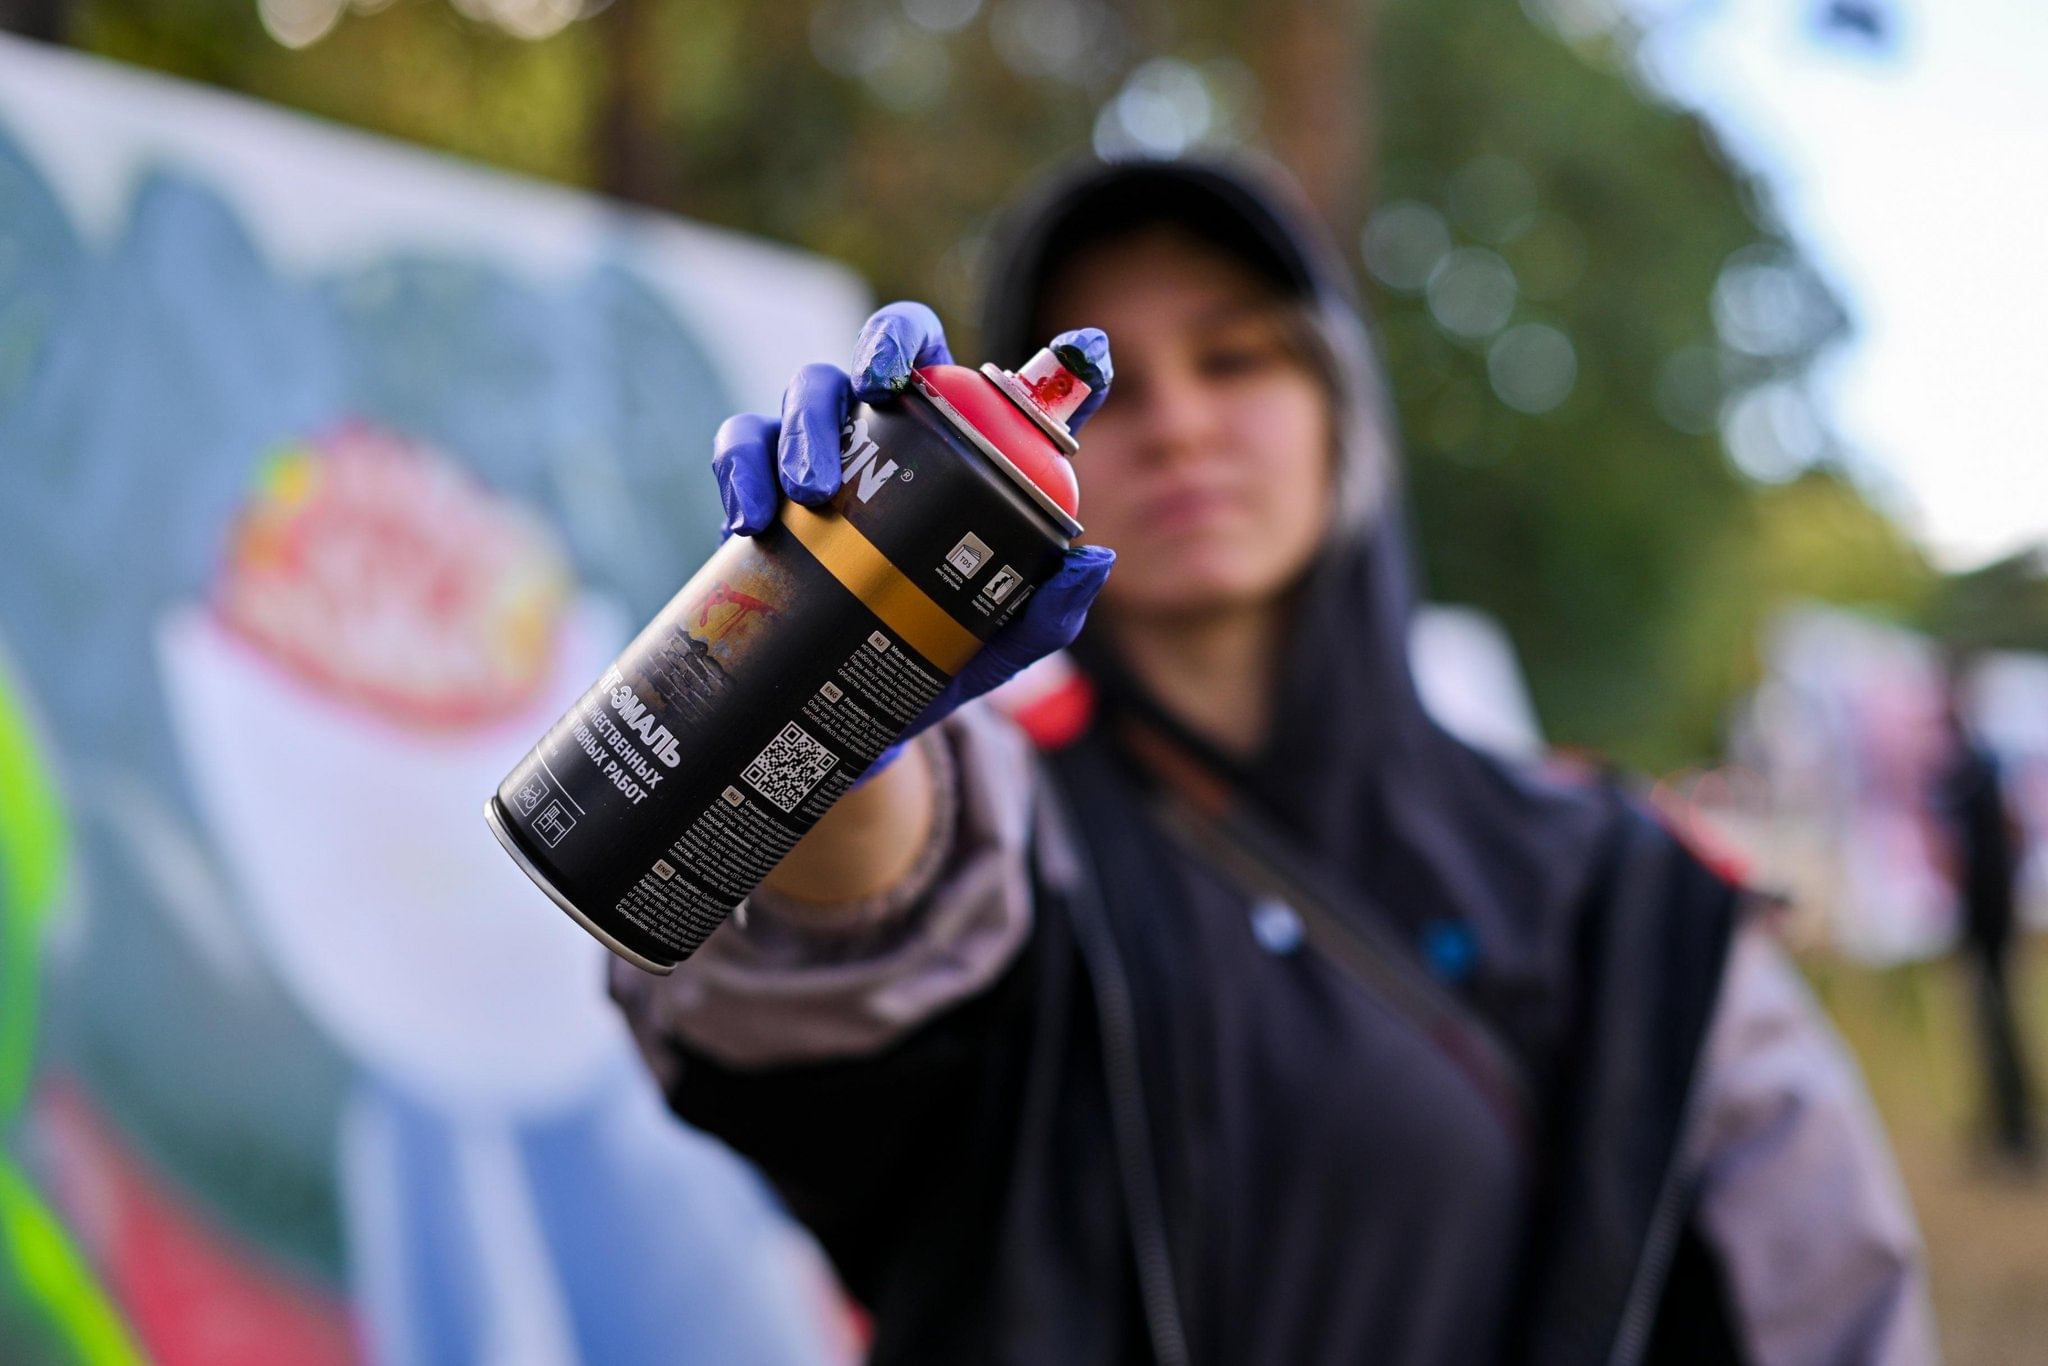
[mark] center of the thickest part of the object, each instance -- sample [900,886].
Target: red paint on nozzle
[1055,388]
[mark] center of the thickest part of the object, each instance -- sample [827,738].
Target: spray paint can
[786,664]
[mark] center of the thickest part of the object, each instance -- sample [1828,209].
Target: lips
[1186,509]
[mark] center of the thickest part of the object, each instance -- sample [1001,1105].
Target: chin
[1194,589]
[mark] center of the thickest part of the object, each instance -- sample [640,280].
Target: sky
[1915,170]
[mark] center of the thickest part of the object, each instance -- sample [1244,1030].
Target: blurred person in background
[1248,1016]
[1987,845]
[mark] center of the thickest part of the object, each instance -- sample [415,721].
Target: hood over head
[1349,729]
[1584,934]
[1250,210]
[1487,864]
[1359,589]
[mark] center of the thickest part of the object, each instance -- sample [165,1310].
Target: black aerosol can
[792,659]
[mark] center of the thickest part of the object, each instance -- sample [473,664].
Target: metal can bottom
[496,820]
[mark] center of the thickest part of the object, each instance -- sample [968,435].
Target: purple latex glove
[758,460]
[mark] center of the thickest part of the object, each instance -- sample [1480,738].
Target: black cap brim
[1253,213]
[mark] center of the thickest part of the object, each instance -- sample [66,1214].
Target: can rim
[540,880]
[1061,518]
[1014,390]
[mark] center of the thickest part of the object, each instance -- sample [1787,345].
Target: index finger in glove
[814,409]
[1085,351]
[896,339]
[743,463]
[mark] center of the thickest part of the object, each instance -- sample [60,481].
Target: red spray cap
[1019,420]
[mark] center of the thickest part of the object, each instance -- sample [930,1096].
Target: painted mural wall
[329,472]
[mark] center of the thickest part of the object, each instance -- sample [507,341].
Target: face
[1208,468]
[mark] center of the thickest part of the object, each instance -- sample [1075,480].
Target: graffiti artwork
[332,471]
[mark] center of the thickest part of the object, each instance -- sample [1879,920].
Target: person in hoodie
[1254,1018]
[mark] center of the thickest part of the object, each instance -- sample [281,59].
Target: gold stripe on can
[884,589]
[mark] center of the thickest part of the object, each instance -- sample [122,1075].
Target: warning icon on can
[1001,584]
[553,824]
[529,795]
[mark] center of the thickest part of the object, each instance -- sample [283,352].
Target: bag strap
[1338,919]
[1130,1126]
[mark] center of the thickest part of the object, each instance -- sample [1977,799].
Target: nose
[1176,417]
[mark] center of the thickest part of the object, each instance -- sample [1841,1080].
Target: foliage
[2001,606]
[1606,526]
[1626,554]
[1815,538]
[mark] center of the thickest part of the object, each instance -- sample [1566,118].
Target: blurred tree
[44,19]
[1597,330]
[414,69]
[2001,606]
[1814,538]
[1574,282]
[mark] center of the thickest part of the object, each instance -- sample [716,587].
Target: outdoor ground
[1987,1232]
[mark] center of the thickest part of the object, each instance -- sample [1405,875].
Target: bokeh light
[1772,432]
[1766,304]
[1163,109]
[1472,293]
[941,16]
[1403,242]
[530,19]
[1168,106]
[855,38]
[1578,21]
[1060,39]
[299,23]
[1533,367]
[913,75]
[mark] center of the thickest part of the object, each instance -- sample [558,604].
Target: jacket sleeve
[792,983]
[1799,1198]
[866,1058]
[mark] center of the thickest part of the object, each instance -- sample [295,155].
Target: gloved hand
[758,460]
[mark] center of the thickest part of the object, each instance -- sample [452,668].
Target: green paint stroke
[54,1273]
[33,842]
[34,1248]
[32,836]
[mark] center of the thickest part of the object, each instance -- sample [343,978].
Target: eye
[1222,359]
[1231,360]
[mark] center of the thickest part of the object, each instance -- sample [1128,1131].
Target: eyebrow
[1237,310]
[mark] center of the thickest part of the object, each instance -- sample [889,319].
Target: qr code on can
[790,767]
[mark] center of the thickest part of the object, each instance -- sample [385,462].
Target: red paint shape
[1058,717]
[725,595]
[192,1295]
[1683,821]
[1048,392]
